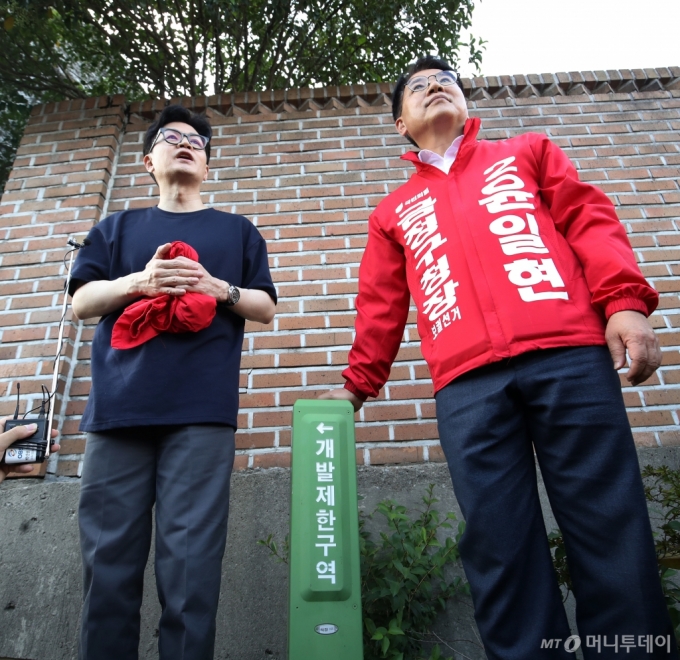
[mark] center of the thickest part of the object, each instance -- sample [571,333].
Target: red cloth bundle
[148,317]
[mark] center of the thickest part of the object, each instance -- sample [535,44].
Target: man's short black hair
[425,62]
[179,113]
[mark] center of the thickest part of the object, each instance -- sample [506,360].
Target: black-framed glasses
[421,83]
[175,137]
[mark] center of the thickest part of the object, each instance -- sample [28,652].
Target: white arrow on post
[321,428]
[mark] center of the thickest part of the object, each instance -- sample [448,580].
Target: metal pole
[57,359]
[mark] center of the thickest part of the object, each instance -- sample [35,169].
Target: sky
[548,36]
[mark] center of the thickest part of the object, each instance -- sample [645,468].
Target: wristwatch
[233,296]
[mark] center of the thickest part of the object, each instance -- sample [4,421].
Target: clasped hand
[175,277]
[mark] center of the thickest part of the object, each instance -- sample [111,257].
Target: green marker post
[325,596]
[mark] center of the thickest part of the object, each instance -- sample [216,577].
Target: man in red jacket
[527,290]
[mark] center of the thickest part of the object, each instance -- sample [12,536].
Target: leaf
[9,23]
[369,625]
[394,587]
[395,630]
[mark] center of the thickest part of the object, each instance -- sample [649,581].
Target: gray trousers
[185,471]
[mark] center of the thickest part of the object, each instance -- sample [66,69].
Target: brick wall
[307,166]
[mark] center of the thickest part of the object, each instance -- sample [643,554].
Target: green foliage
[662,490]
[559,556]
[14,111]
[55,49]
[404,583]
[51,52]
[180,47]
[280,556]
[671,594]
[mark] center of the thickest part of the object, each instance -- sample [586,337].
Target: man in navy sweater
[161,416]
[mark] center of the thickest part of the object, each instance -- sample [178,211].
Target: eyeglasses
[421,83]
[172,136]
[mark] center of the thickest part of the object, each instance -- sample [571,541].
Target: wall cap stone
[479,88]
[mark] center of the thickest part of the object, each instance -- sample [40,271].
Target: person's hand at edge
[631,331]
[341,394]
[7,438]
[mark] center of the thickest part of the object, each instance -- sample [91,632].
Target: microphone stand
[57,360]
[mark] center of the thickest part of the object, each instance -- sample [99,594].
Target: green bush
[404,583]
[662,490]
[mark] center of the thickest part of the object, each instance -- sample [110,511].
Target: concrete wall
[40,578]
[307,166]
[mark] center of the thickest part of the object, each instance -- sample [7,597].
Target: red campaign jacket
[146,318]
[508,253]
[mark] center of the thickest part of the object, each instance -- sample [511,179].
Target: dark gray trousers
[185,471]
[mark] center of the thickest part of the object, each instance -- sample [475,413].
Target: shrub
[404,583]
[662,489]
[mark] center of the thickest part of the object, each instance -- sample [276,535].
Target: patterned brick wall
[307,166]
[56,190]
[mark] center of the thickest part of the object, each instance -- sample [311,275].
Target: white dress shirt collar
[444,164]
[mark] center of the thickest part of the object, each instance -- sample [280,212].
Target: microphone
[77,245]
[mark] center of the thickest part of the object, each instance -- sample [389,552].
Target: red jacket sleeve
[585,216]
[382,309]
